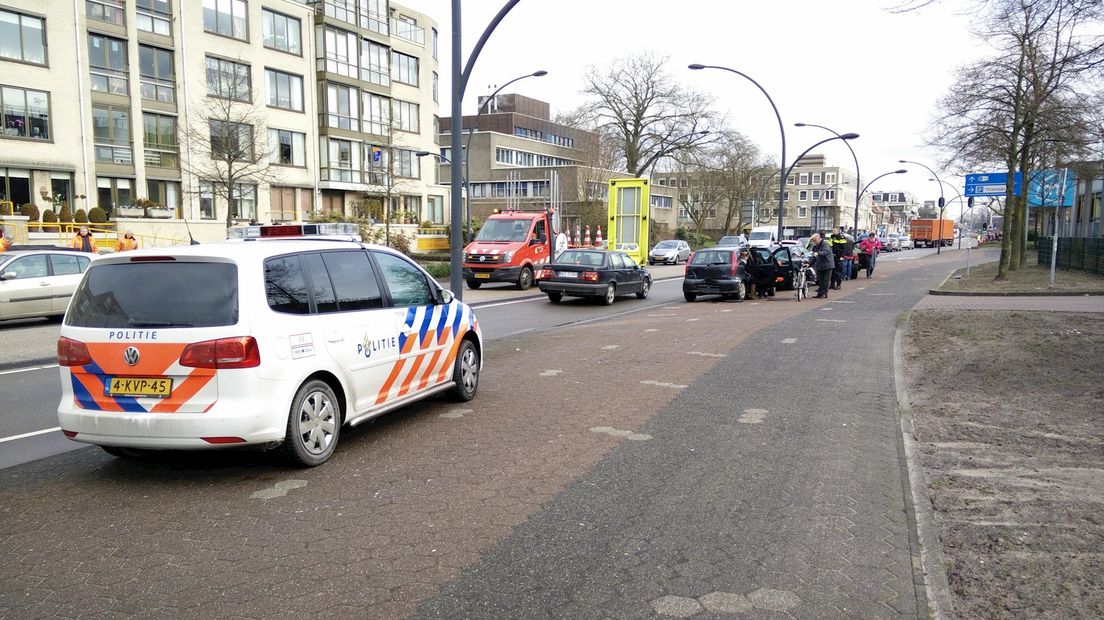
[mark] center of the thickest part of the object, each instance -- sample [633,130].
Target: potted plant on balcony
[136,209]
[157,210]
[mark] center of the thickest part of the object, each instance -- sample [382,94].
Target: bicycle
[801,280]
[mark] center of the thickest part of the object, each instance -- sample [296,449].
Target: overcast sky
[850,65]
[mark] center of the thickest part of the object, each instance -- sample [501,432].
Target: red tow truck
[510,247]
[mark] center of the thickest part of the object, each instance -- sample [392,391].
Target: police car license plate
[485,276]
[138,386]
[567,274]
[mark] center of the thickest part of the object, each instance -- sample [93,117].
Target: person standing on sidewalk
[869,248]
[837,242]
[848,256]
[126,243]
[83,241]
[823,263]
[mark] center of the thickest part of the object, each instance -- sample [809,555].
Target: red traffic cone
[586,237]
[598,239]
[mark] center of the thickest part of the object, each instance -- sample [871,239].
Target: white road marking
[630,435]
[660,315]
[550,373]
[691,320]
[883,294]
[727,310]
[652,329]
[455,413]
[704,354]
[842,302]
[662,384]
[832,320]
[279,489]
[789,340]
[611,347]
[31,434]
[28,369]
[509,303]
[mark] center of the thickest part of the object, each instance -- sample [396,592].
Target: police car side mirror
[11,275]
[446,297]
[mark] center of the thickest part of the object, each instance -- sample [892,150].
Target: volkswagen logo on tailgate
[130,356]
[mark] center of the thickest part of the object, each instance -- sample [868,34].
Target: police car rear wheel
[465,372]
[314,425]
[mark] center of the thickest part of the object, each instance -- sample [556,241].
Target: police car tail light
[72,353]
[223,353]
[589,276]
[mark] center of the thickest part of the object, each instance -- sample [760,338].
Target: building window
[281,204]
[803,178]
[154,16]
[111,135]
[243,202]
[285,90]
[231,141]
[344,10]
[803,212]
[337,52]
[281,32]
[791,180]
[829,178]
[803,194]
[111,193]
[405,115]
[404,68]
[340,160]
[377,114]
[816,195]
[164,193]
[433,40]
[375,64]
[407,28]
[287,147]
[435,207]
[407,164]
[376,164]
[373,15]
[228,79]
[226,17]
[816,178]
[24,113]
[435,86]
[829,194]
[22,37]
[158,77]
[206,200]
[161,148]
[110,11]
[340,110]
[107,62]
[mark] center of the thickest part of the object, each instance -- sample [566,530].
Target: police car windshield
[168,294]
[503,230]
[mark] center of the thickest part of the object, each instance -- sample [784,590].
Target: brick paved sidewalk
[978,302]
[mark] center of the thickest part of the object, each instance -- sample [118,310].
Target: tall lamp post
[942,202]
[867,186]
[787,171]
[459,85]
[467,146]
[858,178]
[781,130]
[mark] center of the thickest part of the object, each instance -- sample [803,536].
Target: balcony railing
[109,81]
[406,30]
[156,89]
[110,11]
[162,158]
[113,154]
[154,22]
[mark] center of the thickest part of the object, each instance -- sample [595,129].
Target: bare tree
[1031,93]
[650,116]
[229,138]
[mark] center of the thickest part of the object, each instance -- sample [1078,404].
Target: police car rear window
[156,294]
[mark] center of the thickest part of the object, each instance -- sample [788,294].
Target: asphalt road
[649,459]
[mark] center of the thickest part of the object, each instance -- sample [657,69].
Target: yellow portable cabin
[629,205]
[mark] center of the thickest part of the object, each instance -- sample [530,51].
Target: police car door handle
[335,337]
[44,284]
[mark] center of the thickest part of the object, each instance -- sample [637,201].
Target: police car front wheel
[314,425]
[466,372]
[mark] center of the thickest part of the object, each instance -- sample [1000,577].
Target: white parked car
[906,242]
[270,343]
[36,283]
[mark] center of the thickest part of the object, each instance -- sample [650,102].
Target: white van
[763,236]
[269,343]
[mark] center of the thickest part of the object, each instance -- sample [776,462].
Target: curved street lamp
[858,178]
[942,201]
[781,130]
[459,85]
[867,186]
[786,173]
[467,145]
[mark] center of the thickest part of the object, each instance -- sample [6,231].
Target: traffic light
[942,203]
[970,202]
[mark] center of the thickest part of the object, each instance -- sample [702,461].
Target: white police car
[271,342]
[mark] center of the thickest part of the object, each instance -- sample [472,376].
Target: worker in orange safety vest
[126,242]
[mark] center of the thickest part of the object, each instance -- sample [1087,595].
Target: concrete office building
[106,102]
[520,158]
[820,196]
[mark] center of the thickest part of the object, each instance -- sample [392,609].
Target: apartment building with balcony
[105,102]
[820,196]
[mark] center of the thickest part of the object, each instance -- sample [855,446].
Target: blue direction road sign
[991,184]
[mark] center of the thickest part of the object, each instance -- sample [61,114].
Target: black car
[762,269]
[715,271]
[594,273]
